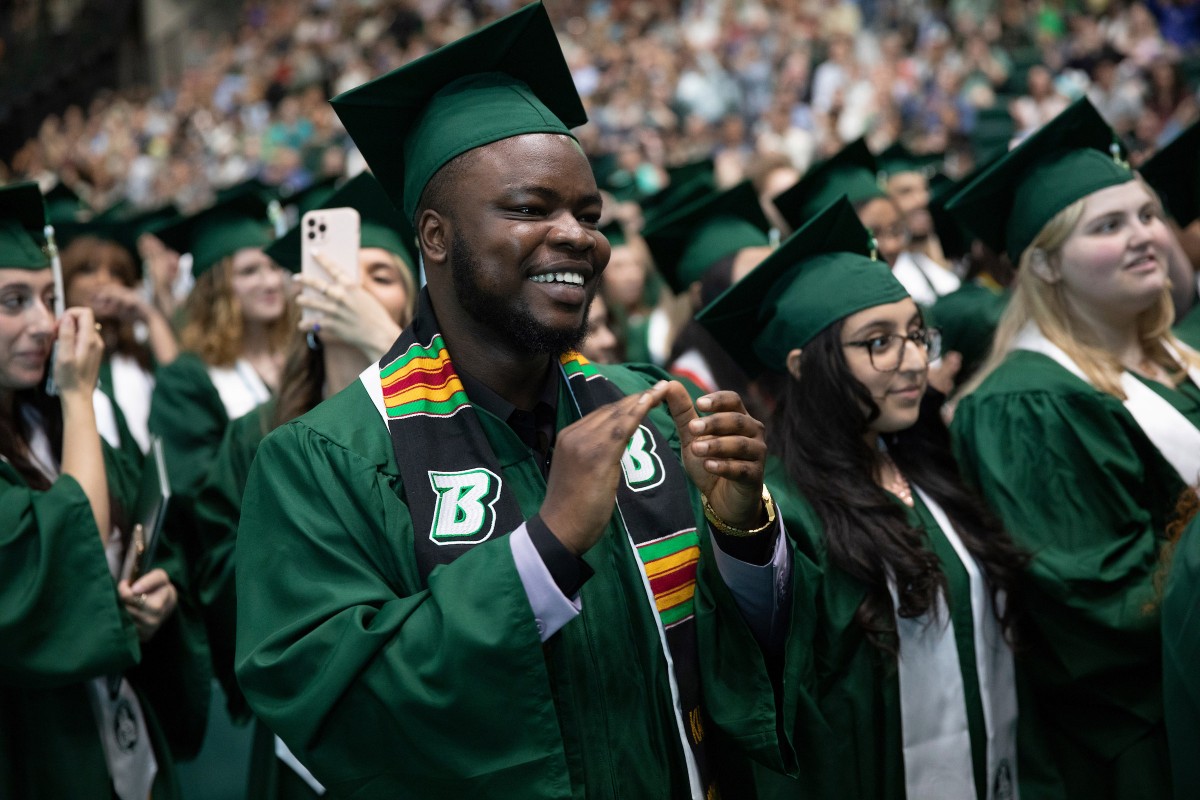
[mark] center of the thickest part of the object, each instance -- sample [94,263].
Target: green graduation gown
[390,687]
[1181,661]
[187,412]
[858,687]
[218,510]
[1188,328]
[61,624]
[1077,482]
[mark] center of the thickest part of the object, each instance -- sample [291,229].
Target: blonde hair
[214,328]
[1043,303]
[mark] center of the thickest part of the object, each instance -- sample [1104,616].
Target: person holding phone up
[354,325]
[77,720]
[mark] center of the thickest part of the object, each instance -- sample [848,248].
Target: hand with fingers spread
[724,453]
[149,601]
[346,313]
[582,487]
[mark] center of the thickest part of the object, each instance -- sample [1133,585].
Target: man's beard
[508,316]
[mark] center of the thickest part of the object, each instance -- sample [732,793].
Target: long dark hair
[15,432]
[817,432]
[302,382]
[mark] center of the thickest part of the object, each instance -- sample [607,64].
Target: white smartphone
[333,234]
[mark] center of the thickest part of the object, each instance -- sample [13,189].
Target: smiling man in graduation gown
[490,568]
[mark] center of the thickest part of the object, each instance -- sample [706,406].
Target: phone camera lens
[321,229]
[311,222]
[311,235]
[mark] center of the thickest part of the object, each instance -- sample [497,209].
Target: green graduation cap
[1009,203]
[382,225]
[312,196]
[681,179]
[852,172]
[897,159]
[689,240]
[122,225]
[250,186]
[64,205]
[1174,172]
[219,230]
[22,217]
[507,79]
[819,275]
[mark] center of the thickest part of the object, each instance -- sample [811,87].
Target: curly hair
[214,327]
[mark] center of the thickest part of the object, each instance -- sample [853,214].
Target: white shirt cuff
[551,608]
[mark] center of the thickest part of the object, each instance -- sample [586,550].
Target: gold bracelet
[741,533]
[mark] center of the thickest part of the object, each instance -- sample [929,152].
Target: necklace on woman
[896,483]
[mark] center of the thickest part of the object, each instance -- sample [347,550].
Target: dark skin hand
[724,454]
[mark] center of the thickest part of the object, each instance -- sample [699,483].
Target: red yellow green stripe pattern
[422,382]
[575,364]
[670,564]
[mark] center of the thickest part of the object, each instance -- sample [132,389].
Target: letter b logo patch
[642,467]
[464,512]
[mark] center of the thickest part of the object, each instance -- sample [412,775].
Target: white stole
[1177,439]
[933,708]
[106,419]
[240,387]
[925,282]
[132,388]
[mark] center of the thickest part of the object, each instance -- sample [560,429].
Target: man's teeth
[559,277]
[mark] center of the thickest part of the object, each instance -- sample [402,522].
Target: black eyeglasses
[887,350]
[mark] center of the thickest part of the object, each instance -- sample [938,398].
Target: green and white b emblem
[642,467]
[464,513]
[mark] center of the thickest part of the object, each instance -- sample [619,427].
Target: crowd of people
[760,400]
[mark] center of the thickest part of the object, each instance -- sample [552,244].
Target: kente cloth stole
[457,497]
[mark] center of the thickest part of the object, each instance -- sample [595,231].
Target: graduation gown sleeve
[1181,660]
[1077,483]
[60,617]
[186,411]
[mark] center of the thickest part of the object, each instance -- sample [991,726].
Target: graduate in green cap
[1081,430]
[101,271]
[701,248]
[357,324]
[906,177]
[1181,645]
[239,319]
[87,659]
[448,585]
[853,172]
[913,690]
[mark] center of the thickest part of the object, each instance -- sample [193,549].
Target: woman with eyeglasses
[912,689]
[1081,430]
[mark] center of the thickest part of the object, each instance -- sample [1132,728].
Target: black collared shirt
[537,429]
